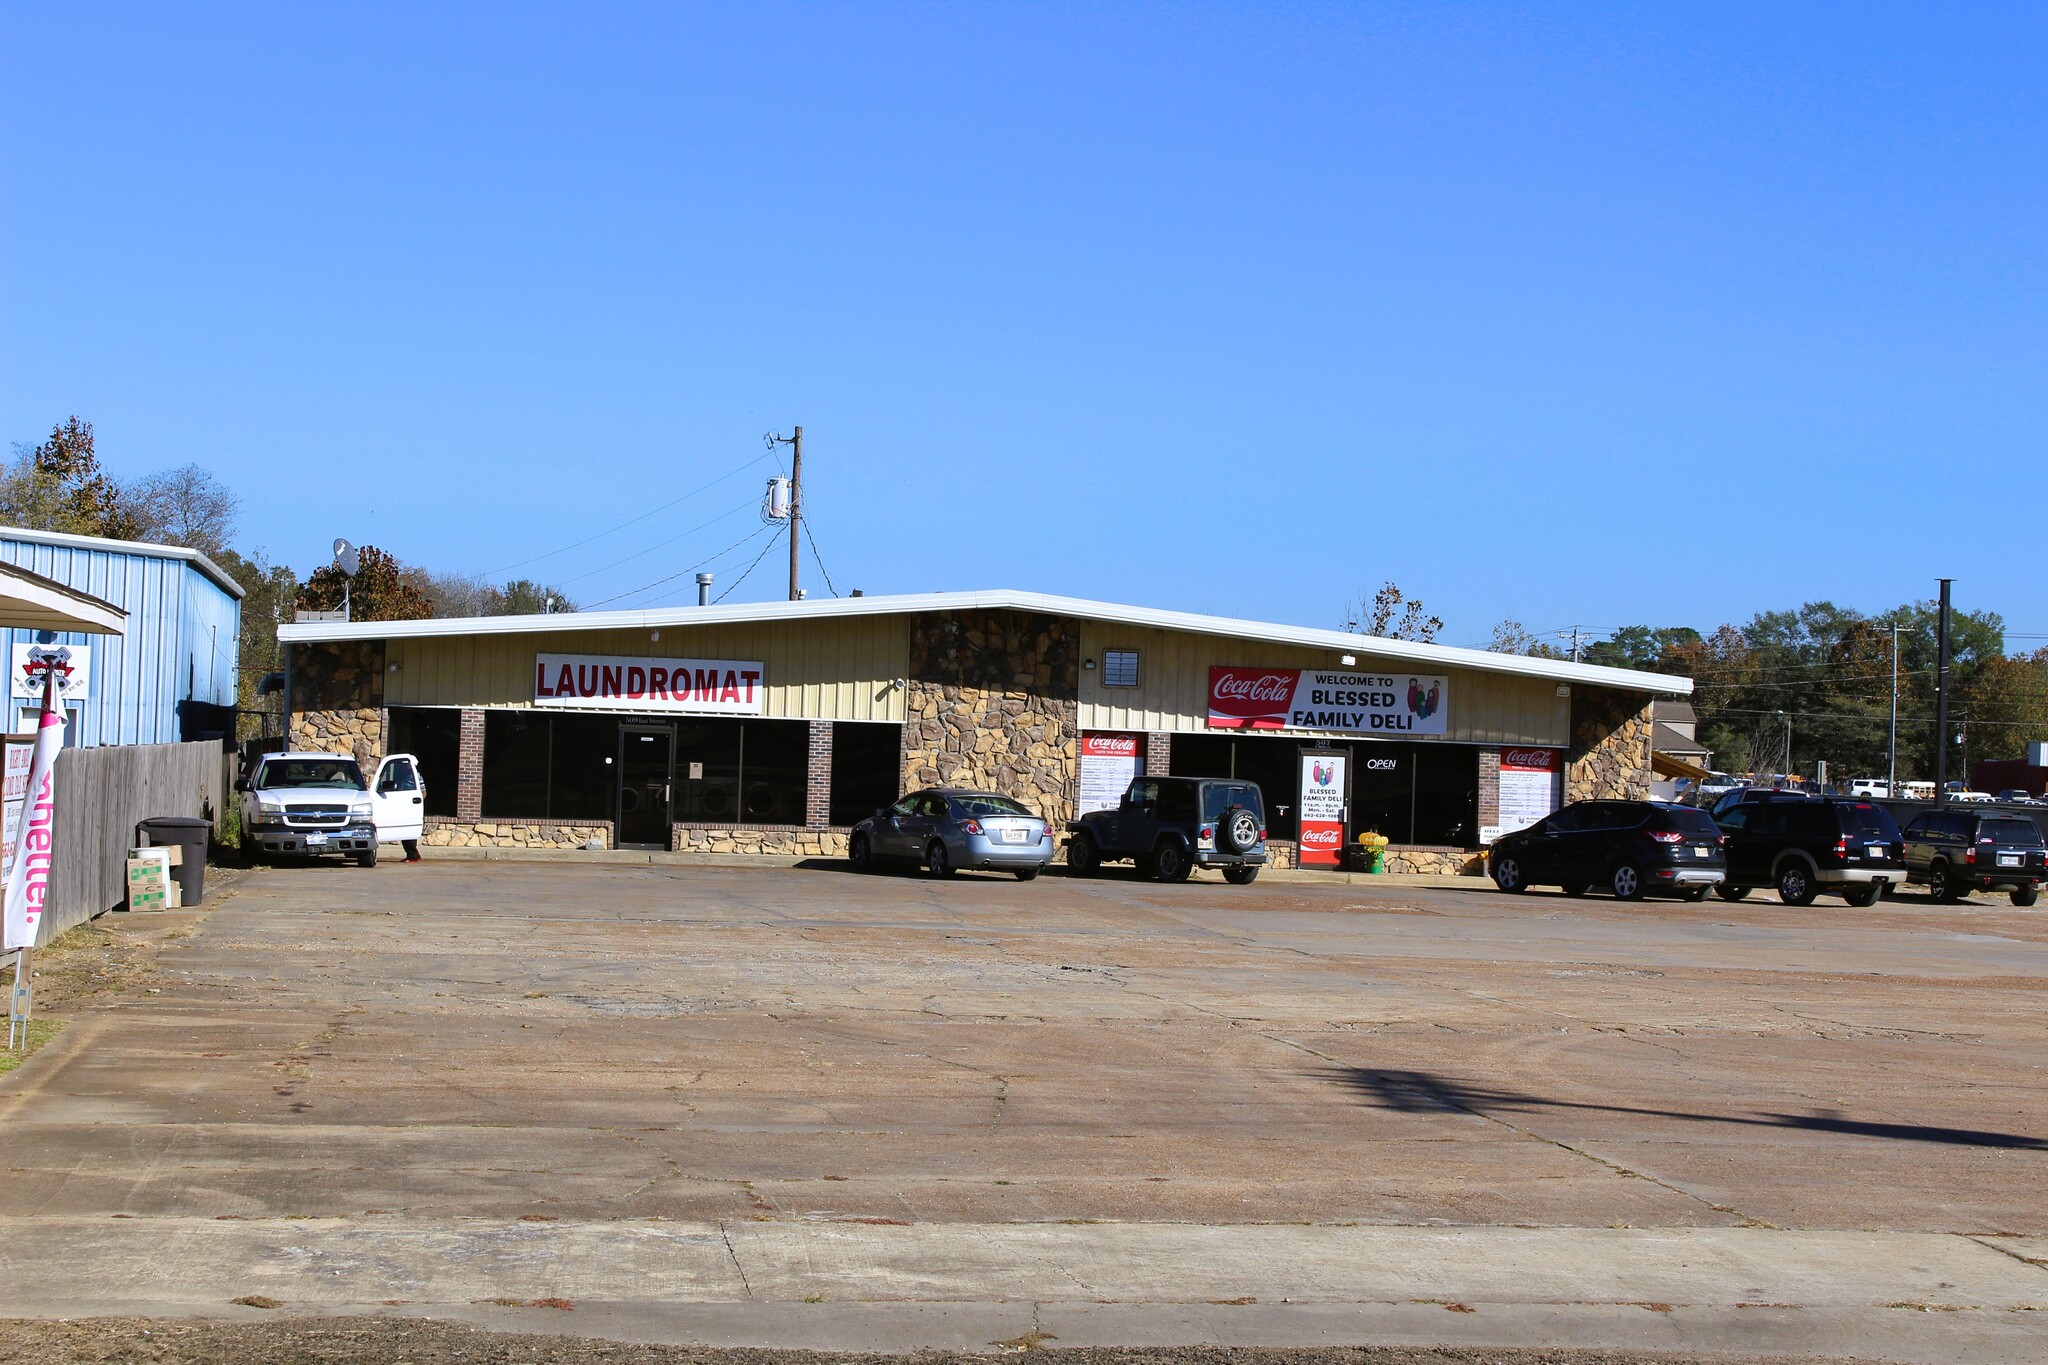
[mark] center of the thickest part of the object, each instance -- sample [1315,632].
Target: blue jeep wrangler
[1170,826]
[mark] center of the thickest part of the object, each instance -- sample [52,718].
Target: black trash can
[190,832]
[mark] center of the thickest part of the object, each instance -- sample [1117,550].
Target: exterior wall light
[1348,660]
[1564,689]
[1088,665]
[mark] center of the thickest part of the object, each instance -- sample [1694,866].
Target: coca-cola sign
[1321,838]
[1110,746]
[1528,760]
[1344,703]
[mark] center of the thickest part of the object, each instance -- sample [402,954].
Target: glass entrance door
[646,783]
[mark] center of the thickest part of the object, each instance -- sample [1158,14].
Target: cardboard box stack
[150,885]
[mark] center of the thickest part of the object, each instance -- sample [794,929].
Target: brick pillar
[1158,753]
[469,768]
[818,780]
[1489,787]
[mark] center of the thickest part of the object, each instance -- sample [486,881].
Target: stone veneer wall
[790,840]
[1610,754]
[993,701]
[442,832]
[1436,861]
[338,700]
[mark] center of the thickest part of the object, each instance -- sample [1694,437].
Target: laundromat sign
[724,687]
[1310,699]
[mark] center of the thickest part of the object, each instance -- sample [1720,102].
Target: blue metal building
[182,643]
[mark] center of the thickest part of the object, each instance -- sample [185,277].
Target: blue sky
[1590,315]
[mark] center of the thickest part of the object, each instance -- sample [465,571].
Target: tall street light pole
[1941,699]
[1891,782]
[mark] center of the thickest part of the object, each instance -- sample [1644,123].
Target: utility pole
[1941,699]
[796,504]
[1575,644]
[795,442]
[1891,781]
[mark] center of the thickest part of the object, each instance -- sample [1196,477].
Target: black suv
[1630,847]
[1801,844]
[1172,825]
[1956,852]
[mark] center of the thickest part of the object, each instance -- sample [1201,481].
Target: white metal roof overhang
[1338,642]
[29,601]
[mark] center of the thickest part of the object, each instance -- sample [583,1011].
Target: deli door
[1325,796]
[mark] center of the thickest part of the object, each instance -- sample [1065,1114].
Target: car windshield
[2010,832]
[337,774]
[1219,797]
[1860,821]
[978,805]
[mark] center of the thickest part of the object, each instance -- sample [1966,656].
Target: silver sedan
[947,828]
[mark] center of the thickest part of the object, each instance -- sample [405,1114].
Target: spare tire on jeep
[1237,830]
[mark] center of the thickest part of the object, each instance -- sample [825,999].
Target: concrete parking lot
[372,1065]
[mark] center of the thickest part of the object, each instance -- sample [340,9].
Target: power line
[751,567]
[661,546]
[644,587]
[734,473]
[820,559]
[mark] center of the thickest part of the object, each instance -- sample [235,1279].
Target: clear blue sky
[1599,314]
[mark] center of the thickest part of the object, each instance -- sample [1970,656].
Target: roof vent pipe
[703,589]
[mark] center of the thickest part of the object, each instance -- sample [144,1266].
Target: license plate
[313,840]
[1015,836]
[2008,860]
[1875,850]
[1703,853]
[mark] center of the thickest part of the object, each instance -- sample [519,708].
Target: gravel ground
[388,1341]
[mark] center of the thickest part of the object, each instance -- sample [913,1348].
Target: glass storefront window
[434,736]
[708,771]
[584,779]
[1412,793]
[774,766]
[867,766]
[515,766]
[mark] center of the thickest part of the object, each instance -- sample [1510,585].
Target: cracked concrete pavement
[685,1092]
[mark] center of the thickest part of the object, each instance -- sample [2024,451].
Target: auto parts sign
[1313,699]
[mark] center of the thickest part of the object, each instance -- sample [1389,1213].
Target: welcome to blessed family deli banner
[1309,699]
[724,687]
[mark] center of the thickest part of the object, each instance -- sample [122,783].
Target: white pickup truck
[303,804]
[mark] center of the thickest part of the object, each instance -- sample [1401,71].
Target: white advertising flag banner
[28,874]
[718,687]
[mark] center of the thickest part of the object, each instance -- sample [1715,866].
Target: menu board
[20,756]
[1108,763]
[1531,781]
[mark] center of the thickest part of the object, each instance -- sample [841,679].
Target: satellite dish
[346,559]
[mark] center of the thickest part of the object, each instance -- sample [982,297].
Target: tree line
[58,484]
[1824,673]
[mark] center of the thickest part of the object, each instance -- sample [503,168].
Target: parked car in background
[1803,844]
[298,805]
[1632,848]
[2018,796]
[1169,826]
[1955,852]
[947,828]
[1869,786]
[1729,800]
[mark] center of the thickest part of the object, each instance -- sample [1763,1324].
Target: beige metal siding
[1173,687]
[817,669]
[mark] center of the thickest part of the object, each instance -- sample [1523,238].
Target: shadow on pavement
[1424,1092]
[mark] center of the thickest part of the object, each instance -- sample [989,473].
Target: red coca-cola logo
[1536,760]
[1243,692]
[1110,746]
[1321,838]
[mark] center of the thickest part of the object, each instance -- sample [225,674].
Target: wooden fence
[102,794]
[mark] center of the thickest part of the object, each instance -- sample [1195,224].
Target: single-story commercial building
[772,727]
[169,676]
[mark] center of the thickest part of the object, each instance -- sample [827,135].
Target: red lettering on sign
[749,677]
[636,681]
[540,682]
[657,682]
[706,685]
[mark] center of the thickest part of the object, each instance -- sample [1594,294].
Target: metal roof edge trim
[150,547]
[1337,641]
